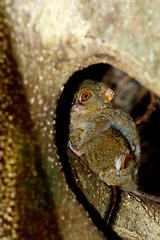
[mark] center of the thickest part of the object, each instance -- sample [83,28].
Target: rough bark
[42,44]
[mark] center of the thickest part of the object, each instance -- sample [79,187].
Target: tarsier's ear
[108,93]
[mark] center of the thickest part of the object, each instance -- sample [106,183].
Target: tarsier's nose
[74,102]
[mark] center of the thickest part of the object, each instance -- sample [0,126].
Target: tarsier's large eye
[86,96]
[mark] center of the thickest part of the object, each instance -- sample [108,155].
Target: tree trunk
[42,44]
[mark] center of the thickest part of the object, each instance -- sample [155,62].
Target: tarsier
[105,137]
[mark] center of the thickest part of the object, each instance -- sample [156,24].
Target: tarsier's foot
[122,173]
[122,161]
